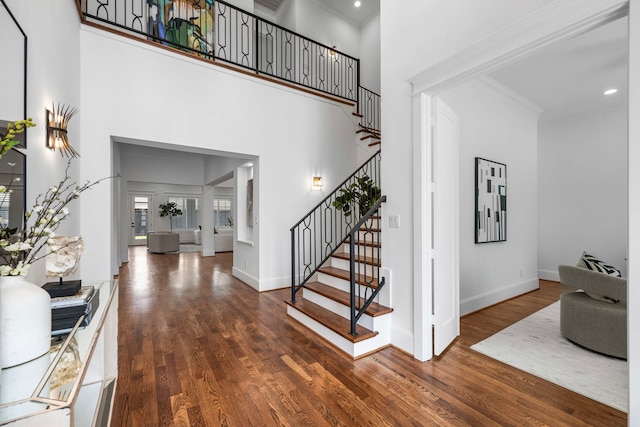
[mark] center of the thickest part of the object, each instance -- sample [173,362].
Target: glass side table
[73,384]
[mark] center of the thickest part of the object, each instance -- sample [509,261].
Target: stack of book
[67,310]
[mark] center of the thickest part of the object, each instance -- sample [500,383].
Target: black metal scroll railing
[369,109]
[219,31]
[321,232]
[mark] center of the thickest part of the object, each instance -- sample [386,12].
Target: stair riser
[340,284]
[353,349]
[363,251]
[367,237]
[371,323]
[359,267]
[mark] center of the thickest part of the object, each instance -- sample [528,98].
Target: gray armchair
[588,319]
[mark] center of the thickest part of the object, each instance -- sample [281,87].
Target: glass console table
[73,384]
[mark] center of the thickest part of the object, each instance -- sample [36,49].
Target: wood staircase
[324,306]
[373,135]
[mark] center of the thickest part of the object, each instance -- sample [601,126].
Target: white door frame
[554,22]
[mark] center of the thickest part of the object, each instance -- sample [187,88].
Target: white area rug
[186,248]
[535,345]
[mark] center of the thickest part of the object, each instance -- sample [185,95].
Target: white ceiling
[568,78]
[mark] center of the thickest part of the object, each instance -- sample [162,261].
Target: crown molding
[556,21]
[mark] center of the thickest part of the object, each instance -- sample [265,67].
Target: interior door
[140,219]
[445,253]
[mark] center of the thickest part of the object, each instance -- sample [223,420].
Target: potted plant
[362,192]
[170,209]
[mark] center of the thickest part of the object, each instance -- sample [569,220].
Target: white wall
[147,166]
[370,54]
[136,91]
[496,127]
[315,21]
[633,319]
[582,178]
[53,72]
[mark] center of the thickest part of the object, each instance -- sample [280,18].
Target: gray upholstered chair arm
[593,282]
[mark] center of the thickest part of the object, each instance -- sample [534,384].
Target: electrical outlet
[394,221]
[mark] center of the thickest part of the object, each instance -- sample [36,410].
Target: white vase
[25,321]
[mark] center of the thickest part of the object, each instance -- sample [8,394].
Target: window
[189,217]
[222,212]
[5,200]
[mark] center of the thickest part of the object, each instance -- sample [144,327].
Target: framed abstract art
[491,201]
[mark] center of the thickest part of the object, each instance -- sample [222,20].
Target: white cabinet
[74,384]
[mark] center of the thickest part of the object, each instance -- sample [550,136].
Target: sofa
[223,239]
[594,316]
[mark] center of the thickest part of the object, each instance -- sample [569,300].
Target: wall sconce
[57,122]
[332,51]
[317,182]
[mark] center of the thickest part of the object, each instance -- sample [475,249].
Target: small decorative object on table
[63,261]
[67,310]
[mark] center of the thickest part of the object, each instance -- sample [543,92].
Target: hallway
[197,347]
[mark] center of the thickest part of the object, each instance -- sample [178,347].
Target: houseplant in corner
[170,209]
[25,308]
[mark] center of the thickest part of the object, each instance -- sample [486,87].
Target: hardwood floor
[197,347]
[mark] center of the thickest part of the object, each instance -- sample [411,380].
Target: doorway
[140,214]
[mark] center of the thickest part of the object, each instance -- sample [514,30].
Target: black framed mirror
[14,71]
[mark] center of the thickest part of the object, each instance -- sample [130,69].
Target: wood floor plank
[197,347]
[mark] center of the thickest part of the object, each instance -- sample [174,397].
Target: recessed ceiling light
[610,91]
[357,4]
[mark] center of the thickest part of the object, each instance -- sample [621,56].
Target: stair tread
[336,323]
[369,137]
[371,144]
[344,298]
[361,258]
[345,275]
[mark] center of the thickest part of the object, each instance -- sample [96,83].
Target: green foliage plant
[170,209]
[8,141]
[363,193]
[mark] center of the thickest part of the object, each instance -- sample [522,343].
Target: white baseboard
[478,302]
[209,252]
[274,283]
[402,339]
[549,275]
[246,278]
[261,285]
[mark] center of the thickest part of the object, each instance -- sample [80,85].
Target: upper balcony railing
[218,31]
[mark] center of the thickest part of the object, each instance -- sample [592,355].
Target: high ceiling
[568,78]
[344,8]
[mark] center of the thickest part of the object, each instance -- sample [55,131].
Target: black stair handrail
[316,236]
[366,275]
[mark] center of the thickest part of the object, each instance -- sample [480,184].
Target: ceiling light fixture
[610,91]
[357,4]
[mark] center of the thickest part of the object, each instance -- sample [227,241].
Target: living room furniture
[595,316]
[161,242]
[223,239]
[73,384]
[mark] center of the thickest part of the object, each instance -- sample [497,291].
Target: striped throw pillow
[590,262]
